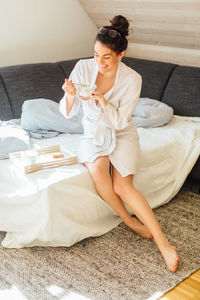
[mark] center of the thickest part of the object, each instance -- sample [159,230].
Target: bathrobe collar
[94,77]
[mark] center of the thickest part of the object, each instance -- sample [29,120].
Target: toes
[174,267]
[150,237]
[171,258]
[174,270]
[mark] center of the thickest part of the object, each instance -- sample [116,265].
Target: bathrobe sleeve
[118,117]
[75,76]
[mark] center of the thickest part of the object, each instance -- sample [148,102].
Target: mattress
[60,206]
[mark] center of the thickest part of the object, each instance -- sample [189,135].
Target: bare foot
[170,256]
[140,229]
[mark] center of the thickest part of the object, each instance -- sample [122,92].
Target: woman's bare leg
[99,170]
[124,187]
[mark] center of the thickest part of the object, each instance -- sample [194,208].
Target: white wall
[44,31]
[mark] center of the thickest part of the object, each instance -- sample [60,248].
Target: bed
[60,206]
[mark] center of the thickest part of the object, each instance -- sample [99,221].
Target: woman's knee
[122,185]
[119,188]
[99,169]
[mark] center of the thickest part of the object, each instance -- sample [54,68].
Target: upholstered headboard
[178,86]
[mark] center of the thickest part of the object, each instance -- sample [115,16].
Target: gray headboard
[178,86]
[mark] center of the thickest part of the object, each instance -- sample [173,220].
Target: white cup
[85,90]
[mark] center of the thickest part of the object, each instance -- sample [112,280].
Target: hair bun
[121,24]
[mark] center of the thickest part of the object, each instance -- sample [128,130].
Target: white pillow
[12,138]
[152,113]
[42,118]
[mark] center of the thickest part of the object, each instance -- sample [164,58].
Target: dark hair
[120,42]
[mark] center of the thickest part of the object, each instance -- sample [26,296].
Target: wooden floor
[188,289]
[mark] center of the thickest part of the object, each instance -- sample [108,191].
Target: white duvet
[60,206]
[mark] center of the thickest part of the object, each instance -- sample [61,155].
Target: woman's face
[106,59]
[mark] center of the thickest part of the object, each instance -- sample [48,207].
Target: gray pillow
[40,115]
[12,138]
[152,113]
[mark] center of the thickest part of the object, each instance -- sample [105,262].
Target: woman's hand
[69,88]
[97,96]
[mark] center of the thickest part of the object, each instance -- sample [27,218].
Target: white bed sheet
[60,206]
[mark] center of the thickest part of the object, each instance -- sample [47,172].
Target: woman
[110,141]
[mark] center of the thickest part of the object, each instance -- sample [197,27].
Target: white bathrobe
[110,132]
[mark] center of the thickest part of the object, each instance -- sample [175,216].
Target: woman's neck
[109,74]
